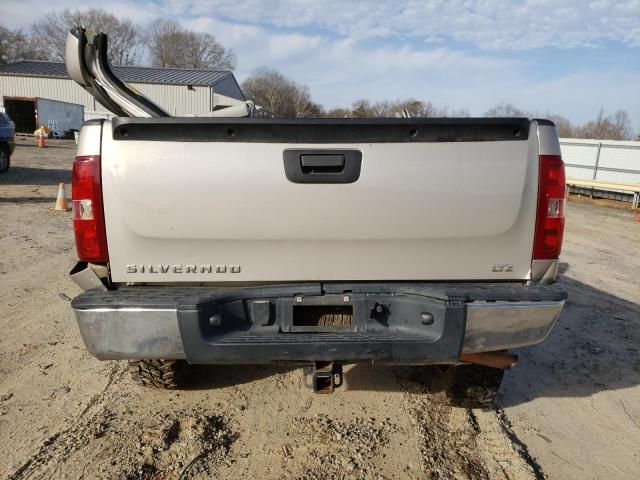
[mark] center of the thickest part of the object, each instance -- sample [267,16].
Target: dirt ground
[569,410]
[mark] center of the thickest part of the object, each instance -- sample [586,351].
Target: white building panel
[61,89]
[178,100]
[604,160]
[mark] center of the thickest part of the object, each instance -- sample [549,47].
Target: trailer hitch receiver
[323,377]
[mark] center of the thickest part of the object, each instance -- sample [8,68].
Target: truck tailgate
[207,200]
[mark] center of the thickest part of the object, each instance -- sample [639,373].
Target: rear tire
[468,386]
[165,374]
[5,158]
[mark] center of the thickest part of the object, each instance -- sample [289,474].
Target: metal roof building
[178,91]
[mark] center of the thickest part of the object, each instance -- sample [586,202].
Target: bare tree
[172,46]
[507,110]
[302,104]
[276,93]
[418,108]
[563,125]
[204,52]
[15,45]
[338,112]
[365,109]
[164,43]
[362,109]
[612,127]
[622,124]
[126,46]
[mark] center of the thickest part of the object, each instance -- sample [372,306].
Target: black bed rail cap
[321,130]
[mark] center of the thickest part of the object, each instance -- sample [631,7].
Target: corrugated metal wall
[176,99]
[603,160]
[60,89]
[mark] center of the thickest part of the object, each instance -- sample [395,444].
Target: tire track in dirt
[463,443]
[59,446]
[518,444]
[108,440]
[445,453]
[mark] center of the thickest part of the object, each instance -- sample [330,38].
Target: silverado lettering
[182,268]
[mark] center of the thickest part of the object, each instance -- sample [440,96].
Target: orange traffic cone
[41,142]
[61,201]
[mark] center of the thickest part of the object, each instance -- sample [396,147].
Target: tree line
[284,97]
[616,126]
[165,43]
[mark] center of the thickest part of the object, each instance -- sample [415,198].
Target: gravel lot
[570,408]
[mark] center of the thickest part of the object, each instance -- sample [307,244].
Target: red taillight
[88,213]
[551,204]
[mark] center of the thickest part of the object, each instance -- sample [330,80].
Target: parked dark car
[7,141]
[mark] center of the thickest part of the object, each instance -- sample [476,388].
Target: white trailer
[59,116]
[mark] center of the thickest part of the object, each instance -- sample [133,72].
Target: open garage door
[23,113]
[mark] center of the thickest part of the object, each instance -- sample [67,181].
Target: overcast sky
[568,57]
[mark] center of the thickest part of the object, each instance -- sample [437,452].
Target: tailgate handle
[330,163]
[322,165]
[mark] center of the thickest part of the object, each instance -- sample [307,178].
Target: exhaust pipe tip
[86,277]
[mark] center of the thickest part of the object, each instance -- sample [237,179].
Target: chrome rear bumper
[503,325]
[222,326]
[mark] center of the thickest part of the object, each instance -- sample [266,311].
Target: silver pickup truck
[314,242]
